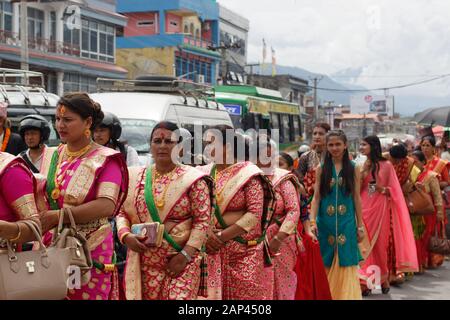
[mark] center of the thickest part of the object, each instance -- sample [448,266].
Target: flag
[274,63]
[264,53]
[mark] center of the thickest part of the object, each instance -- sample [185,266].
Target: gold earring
[87,133]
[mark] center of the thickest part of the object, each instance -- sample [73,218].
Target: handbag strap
[69,213]
[38,234]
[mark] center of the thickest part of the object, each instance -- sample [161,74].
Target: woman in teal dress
[336,218]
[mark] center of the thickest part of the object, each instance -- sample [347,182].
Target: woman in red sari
[424,226]
[440,167]
[179,197]
[90,179]
[236,244]
[17,201]
[386,219]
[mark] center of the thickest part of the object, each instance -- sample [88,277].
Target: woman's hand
[176,265]
[361,234]
[134,242]
[275,245]
[213,244]
[49,220]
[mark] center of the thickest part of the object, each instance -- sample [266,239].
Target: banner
[372,104]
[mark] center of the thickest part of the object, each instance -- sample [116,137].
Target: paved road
[433,285]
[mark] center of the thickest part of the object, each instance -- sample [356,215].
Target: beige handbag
[69,237]
[34,275]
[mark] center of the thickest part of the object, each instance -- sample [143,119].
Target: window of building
[74,82]
[6,16]
[52,26]
[97,41]
[145,23]
[35,23]
[191,29]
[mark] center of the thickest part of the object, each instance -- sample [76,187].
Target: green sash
[51,181]
[150,202]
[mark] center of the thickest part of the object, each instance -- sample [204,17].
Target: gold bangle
[18,235]
[312,222]
[122,238]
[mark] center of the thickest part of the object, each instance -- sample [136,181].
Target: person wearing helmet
[108,133]
[34,130]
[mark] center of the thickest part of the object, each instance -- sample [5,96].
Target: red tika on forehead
[163,133]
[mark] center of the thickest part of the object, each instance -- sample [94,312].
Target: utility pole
[316,80]
[24,55]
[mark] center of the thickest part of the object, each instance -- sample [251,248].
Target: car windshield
[136,133]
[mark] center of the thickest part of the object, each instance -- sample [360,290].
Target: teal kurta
[336,223]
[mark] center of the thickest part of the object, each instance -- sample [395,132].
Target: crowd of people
[313,226]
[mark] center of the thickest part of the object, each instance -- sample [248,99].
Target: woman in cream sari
[236,245]
[90,179]
[179,197]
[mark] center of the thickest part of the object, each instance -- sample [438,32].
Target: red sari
[440,167]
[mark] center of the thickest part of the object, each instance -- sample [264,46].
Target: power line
[383,88]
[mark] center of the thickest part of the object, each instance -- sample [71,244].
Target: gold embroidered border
[25,206]
[108,190]
[235,184]
[247,222]
[288,227]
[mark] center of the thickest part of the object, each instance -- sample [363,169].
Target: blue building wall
[207,9]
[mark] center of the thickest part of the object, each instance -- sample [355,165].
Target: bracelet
[186,255]
[18,235]
[312,222]
[122,238]
[360,228]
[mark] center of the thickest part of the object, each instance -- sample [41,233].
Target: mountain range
[406,103]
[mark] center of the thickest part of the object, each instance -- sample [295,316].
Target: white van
[139,107]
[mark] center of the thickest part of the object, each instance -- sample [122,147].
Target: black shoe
[385,290]
[366,292]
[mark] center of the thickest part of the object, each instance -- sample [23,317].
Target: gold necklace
[79,153]
[161,201]
[61,175]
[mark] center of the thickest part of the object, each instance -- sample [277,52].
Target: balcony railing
[40,44]
[197,42]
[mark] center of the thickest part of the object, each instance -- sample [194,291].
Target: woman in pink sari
[390,238]
[282,234]
[90,179]
[236,244]
[179,197]
[17,200]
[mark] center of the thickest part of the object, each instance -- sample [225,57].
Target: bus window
[275,124]
[296,126]
[257,121]
[285,127]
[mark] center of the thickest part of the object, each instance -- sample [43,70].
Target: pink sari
[388,225]
[281,276]
[17,185]
[101,173]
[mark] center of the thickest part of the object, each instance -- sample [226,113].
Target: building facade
[234,30]
[170,37]
[70,42]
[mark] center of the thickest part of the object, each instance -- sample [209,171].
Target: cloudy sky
[392,41]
